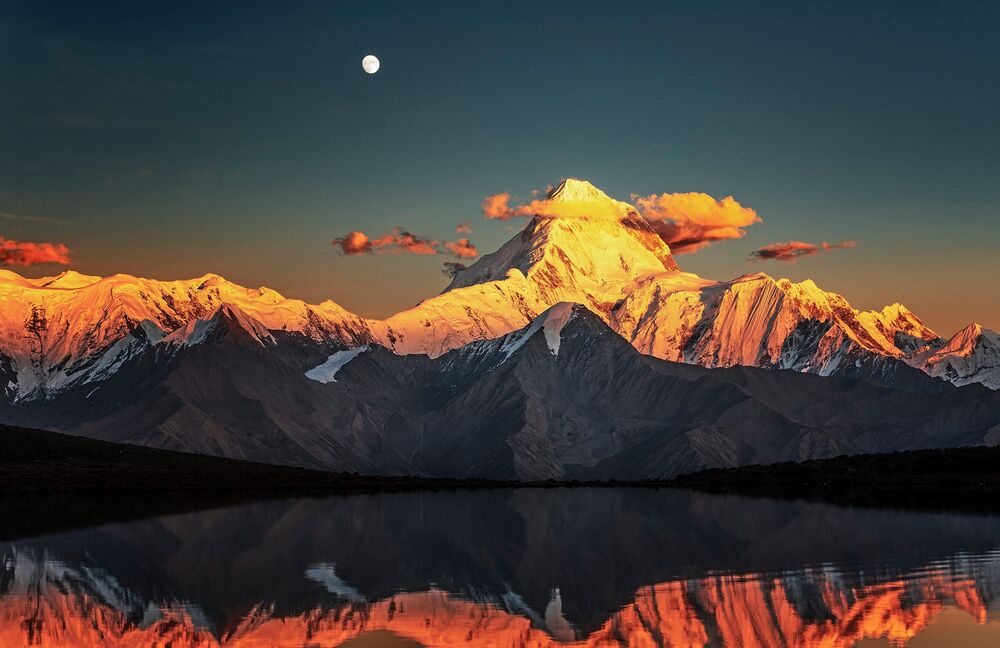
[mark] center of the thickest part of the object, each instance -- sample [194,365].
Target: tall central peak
[573,190]
[578,199]
[581,245]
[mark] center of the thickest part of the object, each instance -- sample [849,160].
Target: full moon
[370,64]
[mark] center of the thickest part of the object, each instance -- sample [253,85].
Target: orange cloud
[497,207]
[400,241]
[794,250]
[687,222]
[353,243]
[25,253]
[463,228]
[462,248]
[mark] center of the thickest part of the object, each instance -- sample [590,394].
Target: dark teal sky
[240,138]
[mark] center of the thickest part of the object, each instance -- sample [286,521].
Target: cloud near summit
[400,241]
[498,207]
[688,222]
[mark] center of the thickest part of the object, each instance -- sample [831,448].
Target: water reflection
[601,567]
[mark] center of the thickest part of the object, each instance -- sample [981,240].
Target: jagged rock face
[565,397]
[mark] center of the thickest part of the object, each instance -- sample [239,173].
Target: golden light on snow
[370,64]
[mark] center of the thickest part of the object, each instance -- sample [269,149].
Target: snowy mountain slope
[587,246]
[588,250]
[971,356]
[758,321]
[58,331]
[753,320]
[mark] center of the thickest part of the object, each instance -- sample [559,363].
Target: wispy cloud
[794,250]
[400,241]
[35,219]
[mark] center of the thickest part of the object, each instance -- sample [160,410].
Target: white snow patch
[514,341]
[551,323]
[556,319]
[325,372]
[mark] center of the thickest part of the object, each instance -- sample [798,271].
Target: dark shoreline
[52,482]
[948,479]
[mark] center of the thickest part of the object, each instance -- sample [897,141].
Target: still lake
[521,567]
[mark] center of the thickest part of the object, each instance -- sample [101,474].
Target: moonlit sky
[185,138]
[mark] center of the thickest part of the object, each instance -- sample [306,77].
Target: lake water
[545,567]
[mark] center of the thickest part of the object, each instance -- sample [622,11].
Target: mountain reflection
[602,567]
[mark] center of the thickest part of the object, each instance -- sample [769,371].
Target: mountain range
[579,349]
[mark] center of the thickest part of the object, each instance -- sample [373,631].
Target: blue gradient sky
[241,138]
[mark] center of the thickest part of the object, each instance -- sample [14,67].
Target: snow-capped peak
[582,246]
[573,190]
[964,343]
[967,337]
[68,280]
[971,355]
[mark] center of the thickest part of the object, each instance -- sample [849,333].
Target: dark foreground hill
[38,461]
[51,482]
